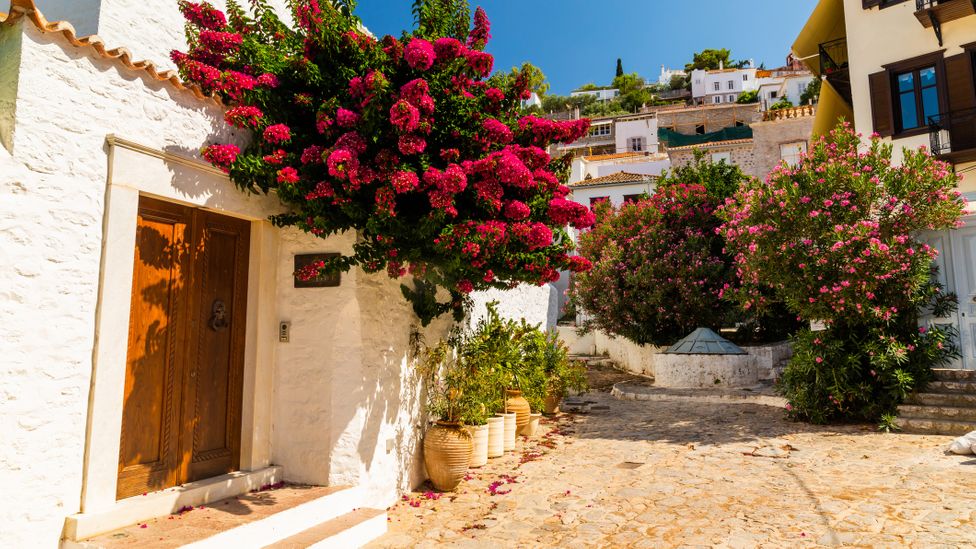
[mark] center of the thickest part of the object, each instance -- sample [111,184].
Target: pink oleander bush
[837,240]
[400,139]
[657,268]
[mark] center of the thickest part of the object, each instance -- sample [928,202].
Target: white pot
[509,430]
[496,437]
[532,426]
[479,448]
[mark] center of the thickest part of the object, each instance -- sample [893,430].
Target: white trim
[133,170]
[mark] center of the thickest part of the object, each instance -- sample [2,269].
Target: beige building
[904,69]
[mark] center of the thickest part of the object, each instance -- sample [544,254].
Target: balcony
[834,67]
[953,135]
[933,13]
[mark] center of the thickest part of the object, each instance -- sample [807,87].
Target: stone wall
[769,135]
[713,118]
[743,155]
[643,359]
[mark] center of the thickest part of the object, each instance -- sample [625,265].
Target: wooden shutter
[882,115]
[960,84]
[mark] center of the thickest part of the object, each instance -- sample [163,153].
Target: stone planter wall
[696,371]
[770,359]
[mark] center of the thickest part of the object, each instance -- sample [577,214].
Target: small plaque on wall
[322,281]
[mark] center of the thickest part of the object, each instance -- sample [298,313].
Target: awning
[826,23]
[830,109]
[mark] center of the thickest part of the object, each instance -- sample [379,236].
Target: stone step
[964,387]
[945,374]
[935,427]
[287,523]
[954,413]
[354,529]
[943,399]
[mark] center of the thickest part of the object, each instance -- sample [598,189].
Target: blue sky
[579,41]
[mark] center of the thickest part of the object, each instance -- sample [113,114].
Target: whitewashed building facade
[99,170]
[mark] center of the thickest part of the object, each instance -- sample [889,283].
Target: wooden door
[181,417]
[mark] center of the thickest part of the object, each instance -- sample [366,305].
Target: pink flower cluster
[221,156]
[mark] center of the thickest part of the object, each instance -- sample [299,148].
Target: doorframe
[136,170]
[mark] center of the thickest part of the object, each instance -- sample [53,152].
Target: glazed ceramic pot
[496,437]
[515,402]
[510,429]
[447,453]
[479,445]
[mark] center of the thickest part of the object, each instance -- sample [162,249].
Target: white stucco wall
[83,14]
[51,216]
[645,127]
[616,193]
[877,37]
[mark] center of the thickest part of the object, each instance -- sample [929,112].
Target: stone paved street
[686,474]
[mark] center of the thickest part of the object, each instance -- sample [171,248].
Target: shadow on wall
[380,422]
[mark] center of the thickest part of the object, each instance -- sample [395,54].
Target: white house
[584,167]
[618,134]
[667,74]
[777,85]
[129,392]
[602,94]
[713,87]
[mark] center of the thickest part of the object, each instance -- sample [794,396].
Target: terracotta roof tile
[619,177]
[122,56]
[614,156]
[711,144]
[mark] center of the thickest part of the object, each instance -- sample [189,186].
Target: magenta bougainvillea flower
[401,140]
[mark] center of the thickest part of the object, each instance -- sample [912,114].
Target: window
[700,130]
[717,99]
[725,156]
[731,99]
[600,130]
[791,152]
[916,97]
[745,77]
[594,200]
[632,197]
[637,144]
[773,94]
[716,85]
[731,84]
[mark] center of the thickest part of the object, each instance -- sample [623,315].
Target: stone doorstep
[292,516]
[165,502]
[955,413]
[963,387]
[945,374]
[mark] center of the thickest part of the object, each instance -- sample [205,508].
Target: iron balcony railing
[953,132]
[833,56]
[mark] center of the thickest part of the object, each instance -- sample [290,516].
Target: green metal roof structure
[675,139]
[704,342]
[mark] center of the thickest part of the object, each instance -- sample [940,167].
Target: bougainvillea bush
[658,268]
[836,239]
[400,139]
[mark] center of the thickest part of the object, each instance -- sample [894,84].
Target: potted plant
[556,374]
[447,444]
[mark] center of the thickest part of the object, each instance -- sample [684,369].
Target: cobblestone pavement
[690,474]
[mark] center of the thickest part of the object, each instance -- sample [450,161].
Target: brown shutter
[871,3]
[881,112]
[960,84]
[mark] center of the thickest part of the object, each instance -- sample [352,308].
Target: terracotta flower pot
[551,405]
[515,402]
[532,426]
[479,445]
[496,437]
[447,453]
[509,439]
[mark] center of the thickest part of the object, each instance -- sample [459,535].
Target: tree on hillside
[633,91]
[811,94]
[620,68]
[536,78]
[711,59]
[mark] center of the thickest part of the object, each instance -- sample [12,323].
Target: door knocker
[218,316]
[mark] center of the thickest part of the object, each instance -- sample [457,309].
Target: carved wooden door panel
[181,417]
[214,380]
[149,456]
